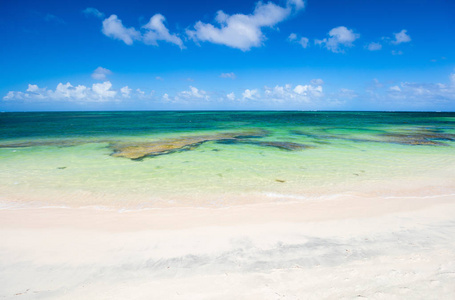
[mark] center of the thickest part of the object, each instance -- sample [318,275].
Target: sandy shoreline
[125,219]
[396,248]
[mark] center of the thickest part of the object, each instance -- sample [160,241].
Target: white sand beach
[342,248]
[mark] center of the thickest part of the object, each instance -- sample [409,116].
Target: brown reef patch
[289,146]
[37,143]
[424,137]
[137,151]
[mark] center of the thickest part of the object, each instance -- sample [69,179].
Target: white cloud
[157,31]
[292,37]
[278,93]
[379,95]
[401,37]
[67,92]
[126,91]
[158,78]
[228,75]
[103,90]
[376,84]
[452,79]
[33,88]
[192,93]
[10,96]
[399,52]
[32,91]
[250,94]
[153,31]
[308,90]
[98,92]
[428,93]
[340,37]
[281,95]
[292,95]
[113,27]
[317,81]
[296,4]
[90,11]
[414,95]
[231,96]
[303,41]
[374,46]
[100,73]
[243,31]
[347,93]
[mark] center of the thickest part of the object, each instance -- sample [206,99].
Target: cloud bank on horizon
[268,27]
[309,96]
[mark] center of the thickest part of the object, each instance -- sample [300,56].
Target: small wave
[11,205]
[286,196]
[420,197]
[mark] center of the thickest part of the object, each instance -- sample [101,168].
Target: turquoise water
[154,159]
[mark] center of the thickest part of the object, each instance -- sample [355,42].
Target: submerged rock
[37,143]
[290,146]
[138,151]
[323,138]
[309,135]
[420,138]
[423,137]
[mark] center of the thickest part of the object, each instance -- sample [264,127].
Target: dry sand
[342,248]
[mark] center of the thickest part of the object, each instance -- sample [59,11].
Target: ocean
[137,160]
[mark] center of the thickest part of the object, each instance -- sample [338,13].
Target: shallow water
[221,158]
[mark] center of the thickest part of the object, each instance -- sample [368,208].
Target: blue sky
[281,54]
